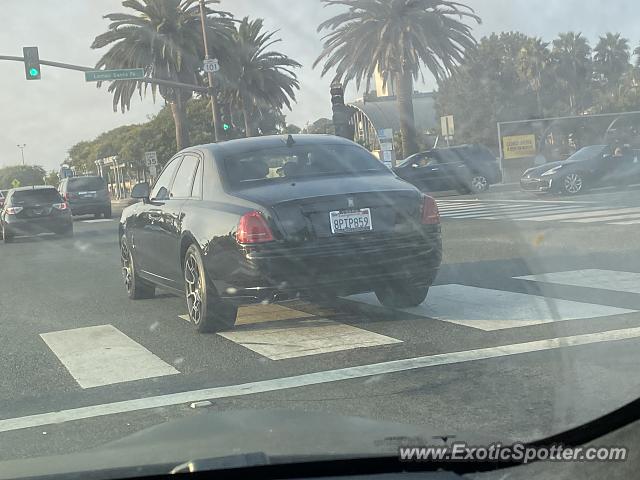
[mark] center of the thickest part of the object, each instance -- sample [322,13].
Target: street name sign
[123,74]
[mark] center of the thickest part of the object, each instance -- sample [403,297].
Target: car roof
[32,188]
[240,145]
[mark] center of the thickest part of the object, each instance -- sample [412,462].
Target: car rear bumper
[536,184]
[336,268]
[89,208]
[36,226]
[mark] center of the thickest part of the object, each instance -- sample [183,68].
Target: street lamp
[21,147]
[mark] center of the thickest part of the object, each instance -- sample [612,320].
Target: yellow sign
[518,146]
[15,183]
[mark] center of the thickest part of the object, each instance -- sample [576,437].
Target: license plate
[87,194]
[350,221]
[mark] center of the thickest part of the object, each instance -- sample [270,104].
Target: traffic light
[31,63]
[342,113]
[337,94]
[226,127]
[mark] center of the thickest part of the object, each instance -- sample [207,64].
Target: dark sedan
[33,211]
[465,168]
[271,218]
[592,166]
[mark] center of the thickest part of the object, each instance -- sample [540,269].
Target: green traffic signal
[226,126]
[34,72]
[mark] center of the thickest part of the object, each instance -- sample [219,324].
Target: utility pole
[21,147]
[217,133]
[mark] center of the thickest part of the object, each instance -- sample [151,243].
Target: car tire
[6,237]
[402,295]
[67,233]
[478,184]
[107,213]
[573,184]
[206,311]
[137,288]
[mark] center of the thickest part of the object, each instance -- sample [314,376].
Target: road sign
[446,125]
[211,65]
[151,158]
[124,74]
[15,183]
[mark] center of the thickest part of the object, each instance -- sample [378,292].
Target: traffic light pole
[156,81]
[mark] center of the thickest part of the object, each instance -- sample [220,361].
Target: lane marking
[633,222]
[504,200]
[317,378]
[608,219]
[103,355]
[521,212]
[98,220]
[488,310]
[612,280]
[253,314]
[301,338]
[601,212]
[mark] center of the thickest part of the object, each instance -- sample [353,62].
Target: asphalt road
[514,358]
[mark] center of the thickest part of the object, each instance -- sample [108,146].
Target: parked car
[465,168]
[86,195]
[35,210]
[223,228]
[591,166]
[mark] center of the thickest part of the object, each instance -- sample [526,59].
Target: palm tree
[396,38]
[533,59]
[571,56]
[165,38]
[611,59]
[255,78]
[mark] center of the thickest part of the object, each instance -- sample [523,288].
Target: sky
[52,114]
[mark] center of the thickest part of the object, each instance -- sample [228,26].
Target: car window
[183,181]
[196,191]
[299,161]
[35,197]
[161,187]
[85,184]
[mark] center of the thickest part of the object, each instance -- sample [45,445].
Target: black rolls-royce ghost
[270,218]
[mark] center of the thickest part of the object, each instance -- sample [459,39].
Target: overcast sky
[52,114]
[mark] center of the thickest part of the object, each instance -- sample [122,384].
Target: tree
[322,126]
[572,68]
[52,178]
[26,175]
[256,79]
[486,89]
[611,59]
[533,60]
[292,129]
[165,38]
[396,38]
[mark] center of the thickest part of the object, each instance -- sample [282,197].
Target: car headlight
[551,171]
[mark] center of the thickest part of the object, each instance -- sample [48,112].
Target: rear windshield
[36,197]
[86,184]
[277,164]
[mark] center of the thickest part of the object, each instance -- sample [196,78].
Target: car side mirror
[142,191]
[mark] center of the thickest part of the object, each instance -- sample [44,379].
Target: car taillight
[253,228]
[14,210]
[60,206]
[430,212]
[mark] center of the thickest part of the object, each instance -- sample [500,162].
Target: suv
[465,168]
[34,210]
[86,195]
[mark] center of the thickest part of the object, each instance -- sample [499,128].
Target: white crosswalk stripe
[539,211]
